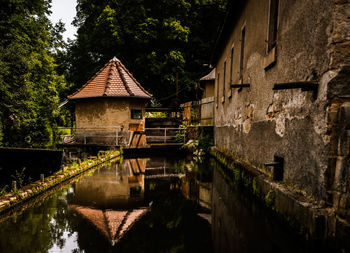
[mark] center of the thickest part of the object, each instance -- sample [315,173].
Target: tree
[29,84]
[154,39]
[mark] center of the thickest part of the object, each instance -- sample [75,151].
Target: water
[137,205]
[243,223]
[154,204]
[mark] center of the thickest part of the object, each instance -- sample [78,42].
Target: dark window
[242,55]
[273,20]
[135,191]
[231,67]
[136,114]
[218,88]
[224,83]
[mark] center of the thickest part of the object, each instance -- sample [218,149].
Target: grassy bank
[18,196]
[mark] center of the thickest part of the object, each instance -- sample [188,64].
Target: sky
[64,10]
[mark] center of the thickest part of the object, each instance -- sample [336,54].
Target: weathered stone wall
[107,112]
[304,127]
[338,171]
[208,89]
[194,132]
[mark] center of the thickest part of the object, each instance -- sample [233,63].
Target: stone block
[344,115]
[342,202]
[336,199]
[344,144]
[340,174]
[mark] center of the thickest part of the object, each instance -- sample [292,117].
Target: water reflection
[116,186]
[112,199]
[121,207]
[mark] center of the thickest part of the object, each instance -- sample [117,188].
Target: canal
[150,204]
[136,205]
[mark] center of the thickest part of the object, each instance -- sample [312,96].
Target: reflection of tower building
[115,186]
[112,198]
[161,176]
[137,178]
[113,224]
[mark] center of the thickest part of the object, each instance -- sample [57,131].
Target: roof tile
[113,80]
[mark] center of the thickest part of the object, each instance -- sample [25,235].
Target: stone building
[111,98]
[282,99]
[207,84]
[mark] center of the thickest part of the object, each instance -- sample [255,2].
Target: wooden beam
[241,85]
[163,109]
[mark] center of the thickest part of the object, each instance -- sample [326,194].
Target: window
[231,66]
[217,90]
[273,20]
[242,55]
[136,114]
[224,83]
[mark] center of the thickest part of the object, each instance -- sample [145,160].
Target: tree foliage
[29,84]
[155,39]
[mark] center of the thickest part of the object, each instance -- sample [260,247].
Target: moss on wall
[270,196]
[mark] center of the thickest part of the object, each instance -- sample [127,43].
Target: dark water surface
[154,204]
[133,206]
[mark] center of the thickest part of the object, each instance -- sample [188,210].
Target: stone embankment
[18,196]
[301,213]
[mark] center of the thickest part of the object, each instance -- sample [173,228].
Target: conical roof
[113,80]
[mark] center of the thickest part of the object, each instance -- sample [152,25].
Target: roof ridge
[108,82]
[125,218]
[134,79]
[118,63]
[92,78]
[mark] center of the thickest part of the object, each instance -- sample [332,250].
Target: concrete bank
[16,197]
[300,212]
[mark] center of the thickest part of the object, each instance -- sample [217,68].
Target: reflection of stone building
[115,197]
[120,185]
[111,98]
[112,199]
[196,190]
[283,97]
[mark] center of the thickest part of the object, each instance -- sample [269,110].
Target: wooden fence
[199,112]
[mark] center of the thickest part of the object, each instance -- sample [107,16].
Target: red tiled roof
[113,80]
[209,77]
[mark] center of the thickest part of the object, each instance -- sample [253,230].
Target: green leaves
[29,84]
[155,39]
[175,31]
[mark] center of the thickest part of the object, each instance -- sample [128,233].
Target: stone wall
[102,112]
[248,207]
[194,132]
[304,127]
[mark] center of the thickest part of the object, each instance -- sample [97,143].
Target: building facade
[282,95]
[110,101]
[207,84]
